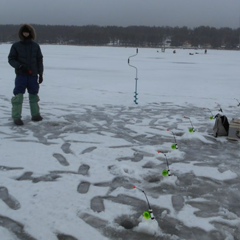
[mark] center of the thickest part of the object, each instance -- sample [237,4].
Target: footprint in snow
[97,204]
[65,237]
[25,176]
[61,159]
[83,169]
[16,228]
[87,150]
[94,221]
[8,199]
[117,182]
[66,148]
[178,202]
[45,178]
[83,187]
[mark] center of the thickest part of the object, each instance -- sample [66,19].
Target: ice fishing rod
[220,109]
[238,102]
[191,129]
[165,172]
[211,117]
[136,78]
[174,145]
[147,214]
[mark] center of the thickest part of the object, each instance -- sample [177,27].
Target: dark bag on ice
[221,126]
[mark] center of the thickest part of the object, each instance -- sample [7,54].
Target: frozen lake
[72,176]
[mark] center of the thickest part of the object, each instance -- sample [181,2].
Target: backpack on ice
[221,126]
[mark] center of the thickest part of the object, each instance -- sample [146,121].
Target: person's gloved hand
[40,79]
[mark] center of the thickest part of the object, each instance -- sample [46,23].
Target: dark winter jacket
[26,56]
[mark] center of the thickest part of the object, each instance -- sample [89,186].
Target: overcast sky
[190,13]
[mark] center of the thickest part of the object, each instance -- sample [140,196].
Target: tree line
[134,36]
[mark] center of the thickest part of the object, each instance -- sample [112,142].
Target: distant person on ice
[26,58]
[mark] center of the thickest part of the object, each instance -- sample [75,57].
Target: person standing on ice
[26,58]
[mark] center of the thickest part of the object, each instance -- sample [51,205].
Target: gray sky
[190,13]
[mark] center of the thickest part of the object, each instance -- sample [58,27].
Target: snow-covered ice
[72,176]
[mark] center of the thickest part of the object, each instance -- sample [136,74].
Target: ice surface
[72,175]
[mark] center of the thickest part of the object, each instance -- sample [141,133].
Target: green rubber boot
[17,102]
[34,107]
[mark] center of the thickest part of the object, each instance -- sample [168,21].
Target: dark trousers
[26,82]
